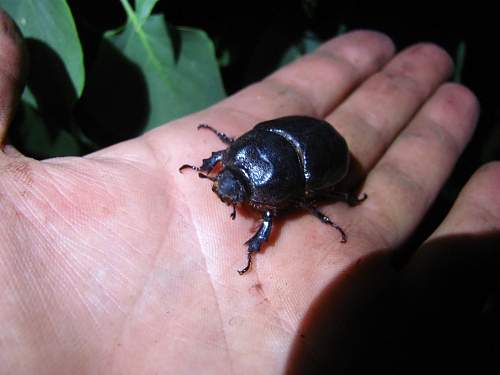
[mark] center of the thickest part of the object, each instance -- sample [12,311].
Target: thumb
[12,70]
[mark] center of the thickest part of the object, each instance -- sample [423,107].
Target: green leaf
[459,61]
[44,127]
[52,39]
[143,8]
[147,74]
[36,138]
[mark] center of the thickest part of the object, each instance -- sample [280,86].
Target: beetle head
[230,187]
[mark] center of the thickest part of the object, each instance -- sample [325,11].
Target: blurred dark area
[251,37]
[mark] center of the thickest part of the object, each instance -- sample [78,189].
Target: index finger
[11,70]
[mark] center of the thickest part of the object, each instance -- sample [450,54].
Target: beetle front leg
[207,164]
[223,137]
[258,238]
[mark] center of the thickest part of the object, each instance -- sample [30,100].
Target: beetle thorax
[230,187]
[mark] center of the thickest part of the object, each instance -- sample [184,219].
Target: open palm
[117,263]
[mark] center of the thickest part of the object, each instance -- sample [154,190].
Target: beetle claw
[247,267]
[188,166]
[353,200]
[336,226]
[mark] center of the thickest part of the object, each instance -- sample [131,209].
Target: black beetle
[287,162]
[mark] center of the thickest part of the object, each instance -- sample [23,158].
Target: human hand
[116,263]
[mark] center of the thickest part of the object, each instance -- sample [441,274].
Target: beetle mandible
[288,162]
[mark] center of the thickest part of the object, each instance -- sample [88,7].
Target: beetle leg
[223,137]
[207,164]
[258,238]
[326,220]
[350,199]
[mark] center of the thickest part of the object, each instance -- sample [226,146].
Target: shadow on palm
[410,319]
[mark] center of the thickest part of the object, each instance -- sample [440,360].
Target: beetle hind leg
[222,136]
[326,220]
[258,238]
[350,199]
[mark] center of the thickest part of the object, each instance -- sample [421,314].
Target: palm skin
[117,263]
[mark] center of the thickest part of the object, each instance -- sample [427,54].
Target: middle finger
[384,104]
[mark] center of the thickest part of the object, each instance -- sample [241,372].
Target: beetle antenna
[233,214]
[201,175]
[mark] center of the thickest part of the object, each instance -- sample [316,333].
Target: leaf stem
[140,32]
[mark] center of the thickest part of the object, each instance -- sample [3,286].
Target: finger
[471,232]
[466,242]
[477,209]
[453,277]
[317,82]
[378,110]
[408,177]
[11,71]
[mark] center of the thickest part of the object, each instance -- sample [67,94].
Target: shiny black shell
[288,159]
